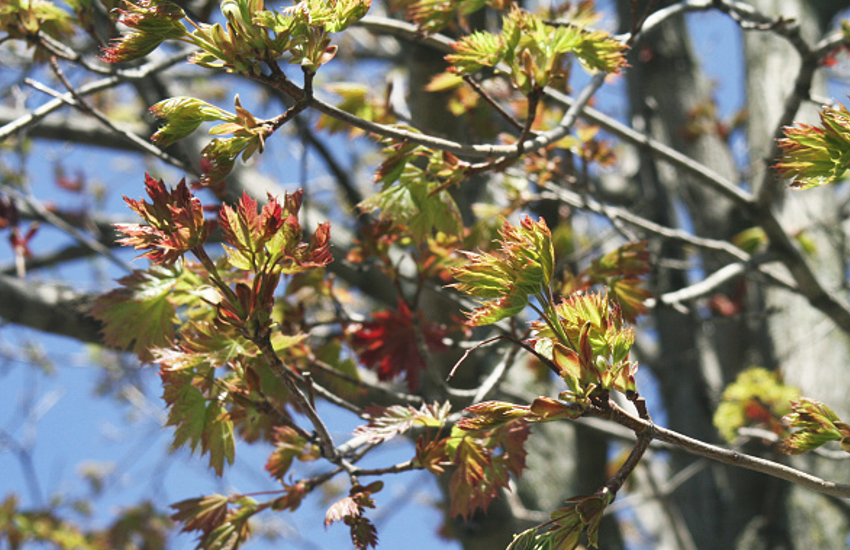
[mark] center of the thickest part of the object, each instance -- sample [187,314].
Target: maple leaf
[146,302]
[272,236]
[388,422]
[480,472]
[503,282]
[475,51]
[198,421]
[350,510]
[388,344]
[152,22]
[203,514]
[175,222]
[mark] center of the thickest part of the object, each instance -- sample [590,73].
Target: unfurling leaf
[817,424]
[815,156]
[523,266]
[183,115]
[219,526]
[289,445]
[152,22]
[175,222]
[270,241]
[581,514]
[388,422]
[350,511]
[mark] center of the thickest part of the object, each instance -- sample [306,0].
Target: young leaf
[288,446]
[815,156]
[197,420]
[504,281]
[474,51]
[581,514]
[480,472]
[152,22]
[183,115]
[388,422]
[388,344]
[350,510]
[817,424]
[142,302]
[175,222]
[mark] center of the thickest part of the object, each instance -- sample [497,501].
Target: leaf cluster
[535,52]
[816,155]
[816,425]
[415,196]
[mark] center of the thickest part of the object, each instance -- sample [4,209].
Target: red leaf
[388,345]
[175,218]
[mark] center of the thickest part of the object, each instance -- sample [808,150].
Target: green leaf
[503,282]
[475,51]
[480,472]
[152,22]
[817,424]
[414,197]
[814,156]
[143,303]
[183,115]
[198,421]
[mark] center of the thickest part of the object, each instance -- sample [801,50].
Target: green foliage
[816,424]
[388,422]
[140,527]
[415,197]
[199,421]
[757,398]
[146,301]
[588,342]
[151,23]
[536,53]
[219,527]
[289,445]
[816,155]
[523,267]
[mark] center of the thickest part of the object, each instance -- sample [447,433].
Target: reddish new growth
[151,22]
[388,344]
[274,234]
[175,222]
